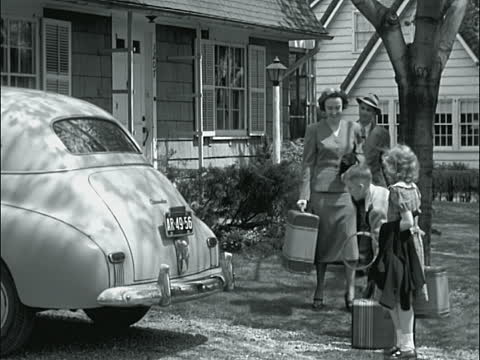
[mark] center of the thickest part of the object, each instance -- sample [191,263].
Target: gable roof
[289,17]
[375,41]
[330,11]
[368,51]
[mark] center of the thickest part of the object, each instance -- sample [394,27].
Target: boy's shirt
[376,208]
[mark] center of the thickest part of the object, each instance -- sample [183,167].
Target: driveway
[268,316]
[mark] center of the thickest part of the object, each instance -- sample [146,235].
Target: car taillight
[117,257]
[212,242]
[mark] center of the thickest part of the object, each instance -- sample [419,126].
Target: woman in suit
[325,143]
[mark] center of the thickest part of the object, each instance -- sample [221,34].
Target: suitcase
[372,326]
[298,252]
[438,304]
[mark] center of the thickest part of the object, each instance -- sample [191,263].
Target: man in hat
[373,140]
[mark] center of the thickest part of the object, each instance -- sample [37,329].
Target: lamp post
[275,72]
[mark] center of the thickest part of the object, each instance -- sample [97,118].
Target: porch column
[129,73]
[199,94]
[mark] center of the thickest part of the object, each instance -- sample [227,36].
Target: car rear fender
[53,264]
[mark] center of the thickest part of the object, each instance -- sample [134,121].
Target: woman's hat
[371,100]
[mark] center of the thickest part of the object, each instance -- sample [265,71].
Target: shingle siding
[175,82]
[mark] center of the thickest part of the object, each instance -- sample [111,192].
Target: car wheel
[113,317]
[16,318]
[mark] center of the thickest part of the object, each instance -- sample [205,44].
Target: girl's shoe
[317,304]
[404,355]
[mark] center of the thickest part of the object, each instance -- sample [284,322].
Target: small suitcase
[298,252]
[372,326]
[438,304]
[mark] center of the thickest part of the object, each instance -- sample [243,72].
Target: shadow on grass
[279,307]
[63,337]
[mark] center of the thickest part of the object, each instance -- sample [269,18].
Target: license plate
[178,222]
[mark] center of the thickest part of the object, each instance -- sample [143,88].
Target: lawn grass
[269,317]
[457,249]
[268,297]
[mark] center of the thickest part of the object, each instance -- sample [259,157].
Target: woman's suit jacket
[321,157]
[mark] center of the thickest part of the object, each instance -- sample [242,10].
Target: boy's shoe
[318,304]
[390,351]
[404,355]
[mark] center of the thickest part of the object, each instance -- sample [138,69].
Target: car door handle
[145,130]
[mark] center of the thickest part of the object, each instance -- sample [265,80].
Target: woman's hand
[302,204]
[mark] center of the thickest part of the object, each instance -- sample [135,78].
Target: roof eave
[271,31]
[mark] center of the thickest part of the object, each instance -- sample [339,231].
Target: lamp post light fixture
[275,72]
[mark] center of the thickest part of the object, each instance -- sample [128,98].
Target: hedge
[455,184]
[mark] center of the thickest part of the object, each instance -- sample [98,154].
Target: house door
[143,79]
[302,105]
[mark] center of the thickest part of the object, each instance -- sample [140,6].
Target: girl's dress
[399,269]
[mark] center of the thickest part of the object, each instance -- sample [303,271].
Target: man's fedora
[370,100]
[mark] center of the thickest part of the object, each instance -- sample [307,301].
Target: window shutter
[256,83]
[57,56]
[208,88]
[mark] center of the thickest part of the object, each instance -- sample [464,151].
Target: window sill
[472,149]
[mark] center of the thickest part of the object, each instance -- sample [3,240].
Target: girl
[399,269]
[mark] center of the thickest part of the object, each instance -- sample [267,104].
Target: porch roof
[293,19]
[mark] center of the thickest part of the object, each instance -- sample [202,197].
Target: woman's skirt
[337,225]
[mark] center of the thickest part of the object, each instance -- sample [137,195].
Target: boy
[371,202]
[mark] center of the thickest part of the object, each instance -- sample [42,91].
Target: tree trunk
[417,104]
[418,68]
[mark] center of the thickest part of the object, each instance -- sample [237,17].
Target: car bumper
[165,291]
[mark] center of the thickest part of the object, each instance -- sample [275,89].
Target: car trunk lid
[139,197]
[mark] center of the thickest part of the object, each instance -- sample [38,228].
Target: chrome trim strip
[164,292]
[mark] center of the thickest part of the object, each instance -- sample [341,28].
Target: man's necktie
[363,133]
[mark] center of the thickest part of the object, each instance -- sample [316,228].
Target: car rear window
[89,135]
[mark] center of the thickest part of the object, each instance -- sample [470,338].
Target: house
[357,61]
[186,77]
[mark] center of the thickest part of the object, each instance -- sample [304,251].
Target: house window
[382,119]
[224,90]
[443,124]
[18,57]
[397,122]
[469,134]
[362,31]
[230,88]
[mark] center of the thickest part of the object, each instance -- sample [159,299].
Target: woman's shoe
[317,304]
[348,303]
[404,355]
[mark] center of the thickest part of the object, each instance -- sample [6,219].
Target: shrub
[239,196]
[455,182]
[244,205]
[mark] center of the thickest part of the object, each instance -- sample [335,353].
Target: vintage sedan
[88,223]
